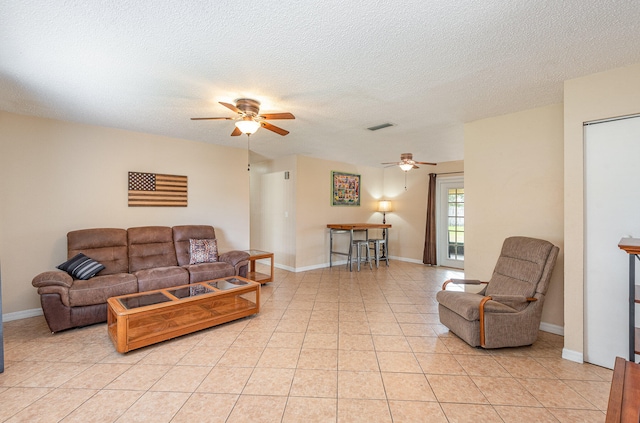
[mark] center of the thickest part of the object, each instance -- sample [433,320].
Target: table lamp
[384,206]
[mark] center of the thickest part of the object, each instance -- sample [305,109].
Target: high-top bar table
[351,227]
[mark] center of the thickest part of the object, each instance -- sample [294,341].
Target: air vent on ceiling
[382,126]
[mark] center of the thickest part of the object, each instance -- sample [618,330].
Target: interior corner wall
[514,186]
[314,210]
[59,176]
[599,96]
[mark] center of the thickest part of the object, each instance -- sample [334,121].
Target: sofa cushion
[98,289]
[182,235]
[203,251]
[105,245]
[207,271]
[151,247]
[161,277]
[81,267]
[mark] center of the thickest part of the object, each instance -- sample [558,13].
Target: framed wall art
[345,189]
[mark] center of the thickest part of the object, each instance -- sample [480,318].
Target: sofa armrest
[234,257]
[52,277]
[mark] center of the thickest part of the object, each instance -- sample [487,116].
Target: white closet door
[612,211]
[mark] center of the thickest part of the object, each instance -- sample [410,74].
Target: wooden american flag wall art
[157,190]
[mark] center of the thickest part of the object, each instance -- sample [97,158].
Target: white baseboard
[555,329]
[572,355]
[22,314]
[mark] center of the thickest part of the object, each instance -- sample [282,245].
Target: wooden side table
[257,276]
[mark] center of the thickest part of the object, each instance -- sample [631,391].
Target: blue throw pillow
[81,267]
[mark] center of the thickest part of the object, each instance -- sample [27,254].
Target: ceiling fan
[407,163]
[249,119]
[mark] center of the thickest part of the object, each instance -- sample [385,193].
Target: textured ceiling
[427,66]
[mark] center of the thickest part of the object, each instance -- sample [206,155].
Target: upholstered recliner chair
[507,312]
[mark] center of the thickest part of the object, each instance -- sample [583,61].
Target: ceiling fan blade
[277,116]
[427,163]
[415,167]
[213,118]
[392,163]
[236,132]
[274,128]
[230,107]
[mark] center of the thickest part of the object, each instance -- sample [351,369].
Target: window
[455,224]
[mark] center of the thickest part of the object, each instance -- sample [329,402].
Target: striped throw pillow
[81,267]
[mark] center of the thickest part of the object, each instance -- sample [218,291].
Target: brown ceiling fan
[249,119]
[407,163]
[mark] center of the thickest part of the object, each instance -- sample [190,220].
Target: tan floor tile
[322,326]
[398,362]
[524,367]
[139,378]
[359,410]
[318,359]
[381,316]
[416,412]
[448,388]
[104,406]
[512,414]
[218,340]
[258,409]
[363,385]
[181,379]
[577,416]
[97,376]
[358,361]
[265,381]
[327,341]
[240,357]
[426,344]
[225,380]
[202,355]
[54,375]
[407,386]
[355,342]
[263,324]
[12,400]
[471,413]
[391,343]
[53,406]
[476,365]
[354,328]
[285,358]
[20,371]
[439,364]
[416,329]
[315,383]
[385,328]
[410,318]
[292,325]
[310,410]
[505,391]
[554,393]
[155,406]
[286,340]
[206,408]
[251,340]
[596,392]
[565,369]
[320,305]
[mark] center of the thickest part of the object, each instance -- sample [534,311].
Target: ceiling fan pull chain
[248,152]
[405,180]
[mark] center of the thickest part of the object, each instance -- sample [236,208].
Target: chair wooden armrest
[462,282]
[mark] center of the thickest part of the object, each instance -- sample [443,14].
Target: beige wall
[598,96]
[58,176]
[514,186]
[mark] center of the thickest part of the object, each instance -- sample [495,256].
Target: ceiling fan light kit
[407,163]
[247,125]
[249,119]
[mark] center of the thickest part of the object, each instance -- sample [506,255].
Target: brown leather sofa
[135,260]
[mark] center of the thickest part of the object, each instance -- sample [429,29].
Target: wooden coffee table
[145,318]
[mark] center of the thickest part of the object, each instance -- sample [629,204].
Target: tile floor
[327,346]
